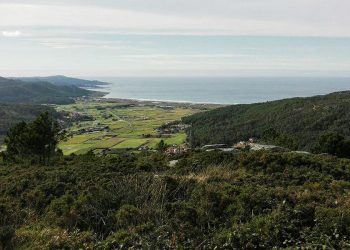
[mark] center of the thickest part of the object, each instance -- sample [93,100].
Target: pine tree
[34,141]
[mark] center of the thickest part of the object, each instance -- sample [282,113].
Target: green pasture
[75,148]
[127,126]
[131,143]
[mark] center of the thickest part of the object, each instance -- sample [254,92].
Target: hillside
[208,200]
[64,80]
[302,120]
[16,91]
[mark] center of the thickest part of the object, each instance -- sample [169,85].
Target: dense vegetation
[208,200]
[16,91]
[298,122]
[11,114]
[33,142]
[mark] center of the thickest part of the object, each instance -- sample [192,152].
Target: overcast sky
[175,37]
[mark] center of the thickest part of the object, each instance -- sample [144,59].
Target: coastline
[167,101]
[221,91]
[163,103]
[104,92]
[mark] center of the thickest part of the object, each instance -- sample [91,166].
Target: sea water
[221,90]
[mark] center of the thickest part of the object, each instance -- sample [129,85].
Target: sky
[175,37]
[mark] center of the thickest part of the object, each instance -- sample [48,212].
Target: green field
[127,126]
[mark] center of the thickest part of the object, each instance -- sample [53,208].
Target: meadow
[130,126]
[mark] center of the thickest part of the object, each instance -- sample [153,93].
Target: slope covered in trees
[210,200]
[296,122]
[16,91]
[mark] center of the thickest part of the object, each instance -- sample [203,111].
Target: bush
[128,215]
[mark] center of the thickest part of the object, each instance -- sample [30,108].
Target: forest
[298,122]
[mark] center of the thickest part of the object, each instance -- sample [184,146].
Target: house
[176,150]
[143,148]
[93,130]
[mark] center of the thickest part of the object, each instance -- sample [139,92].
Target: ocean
[221,90]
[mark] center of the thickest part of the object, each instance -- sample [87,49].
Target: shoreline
[163,103]
[104,92]
[218,92]
[186,102]
[167,101]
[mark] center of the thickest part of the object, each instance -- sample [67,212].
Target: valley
[104,126]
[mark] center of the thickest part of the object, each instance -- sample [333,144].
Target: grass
[75,148]
[109,142]
[79,139]
[128,125]
[176,139]
[131,143]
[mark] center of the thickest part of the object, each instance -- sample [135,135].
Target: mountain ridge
[64,80]
[39,92]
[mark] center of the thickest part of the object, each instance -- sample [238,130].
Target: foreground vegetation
[195,200]
[208,200]
[297,123]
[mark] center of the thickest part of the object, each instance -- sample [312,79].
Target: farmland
[122,125]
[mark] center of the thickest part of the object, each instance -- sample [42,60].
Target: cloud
[268,17]
[169,36]
[16,33]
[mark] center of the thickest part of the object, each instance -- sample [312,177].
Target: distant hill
[64,80]
[16,91]
[302,119]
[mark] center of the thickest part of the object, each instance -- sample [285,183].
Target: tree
[161,146]
[271,135]
[333,143]
[16,142]
[44,133]
[37,140]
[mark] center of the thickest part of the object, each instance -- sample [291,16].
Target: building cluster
[177,150]
[92,130]
[172,128]
[76,116]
